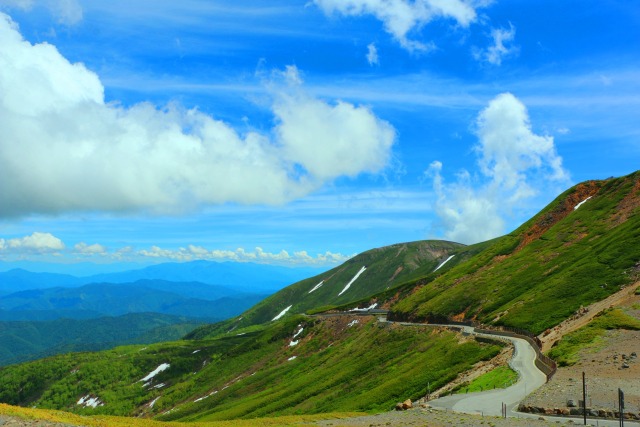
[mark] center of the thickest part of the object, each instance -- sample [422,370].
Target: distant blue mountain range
[241,277]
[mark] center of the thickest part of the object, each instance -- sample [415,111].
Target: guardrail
[544,363]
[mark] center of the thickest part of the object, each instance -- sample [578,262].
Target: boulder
[571,403]
[407,404]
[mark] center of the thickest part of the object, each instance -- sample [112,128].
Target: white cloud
[501,48]
[37,243]
[84,249]
[259,255]
[68,12]
[400,17]
[330,140]
[514,163]
[372,54]
[64,149]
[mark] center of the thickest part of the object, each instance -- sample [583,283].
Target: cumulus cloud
[36,243]
[501,48]
[84,249]
[46,244]
[63,148]
[514,164]
[258,255]
[400,17]
[372,54]
[68,12]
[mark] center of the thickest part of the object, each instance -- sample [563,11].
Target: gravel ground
[436,418]
[602,364]
[6,421]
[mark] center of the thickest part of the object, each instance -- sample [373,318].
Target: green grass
[367,367]
[500,377]
[565,353]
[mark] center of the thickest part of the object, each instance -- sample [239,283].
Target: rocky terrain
[609,364]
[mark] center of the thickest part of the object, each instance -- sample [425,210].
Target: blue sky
[301,132]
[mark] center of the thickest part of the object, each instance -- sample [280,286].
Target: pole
[621,405]
[584,398]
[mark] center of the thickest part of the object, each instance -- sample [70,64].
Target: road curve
[490,402]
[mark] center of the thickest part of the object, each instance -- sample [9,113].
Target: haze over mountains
[48,313]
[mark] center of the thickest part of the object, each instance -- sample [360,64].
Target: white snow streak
[581,203]
[353,322]
[293,343]
[445,261]
[353,280]
[153,402]
[298,333]
[282,313]
[195,351]
[291,358]
[317,286]
[162,367]
[89,402]
[371,307]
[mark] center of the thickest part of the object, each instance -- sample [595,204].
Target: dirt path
[584,316]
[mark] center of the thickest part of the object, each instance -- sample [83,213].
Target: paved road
[490,402]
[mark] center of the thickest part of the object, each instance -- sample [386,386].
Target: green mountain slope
[581,248]
[364,275]
[295,365]
[23,341]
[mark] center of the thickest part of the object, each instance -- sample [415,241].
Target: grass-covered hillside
[364,275]
[581,248]
[296,365]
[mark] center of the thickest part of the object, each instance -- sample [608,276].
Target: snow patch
[205,397]
[292,358]
[162,367]
[298,333]
[282,313]
[317,286]
[153,402]
[353,280]
[443,263]
[353,322]
[195,351]
[581,203]
[89,402]
[159,385]
[371,307]
[293,343]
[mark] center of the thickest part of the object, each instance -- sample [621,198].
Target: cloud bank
[63,148]
[46,244]
[401,17]
[514,164]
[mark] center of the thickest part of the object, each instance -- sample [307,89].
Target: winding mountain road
[490,402]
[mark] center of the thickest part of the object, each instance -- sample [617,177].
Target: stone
[407,404]
[571,403]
